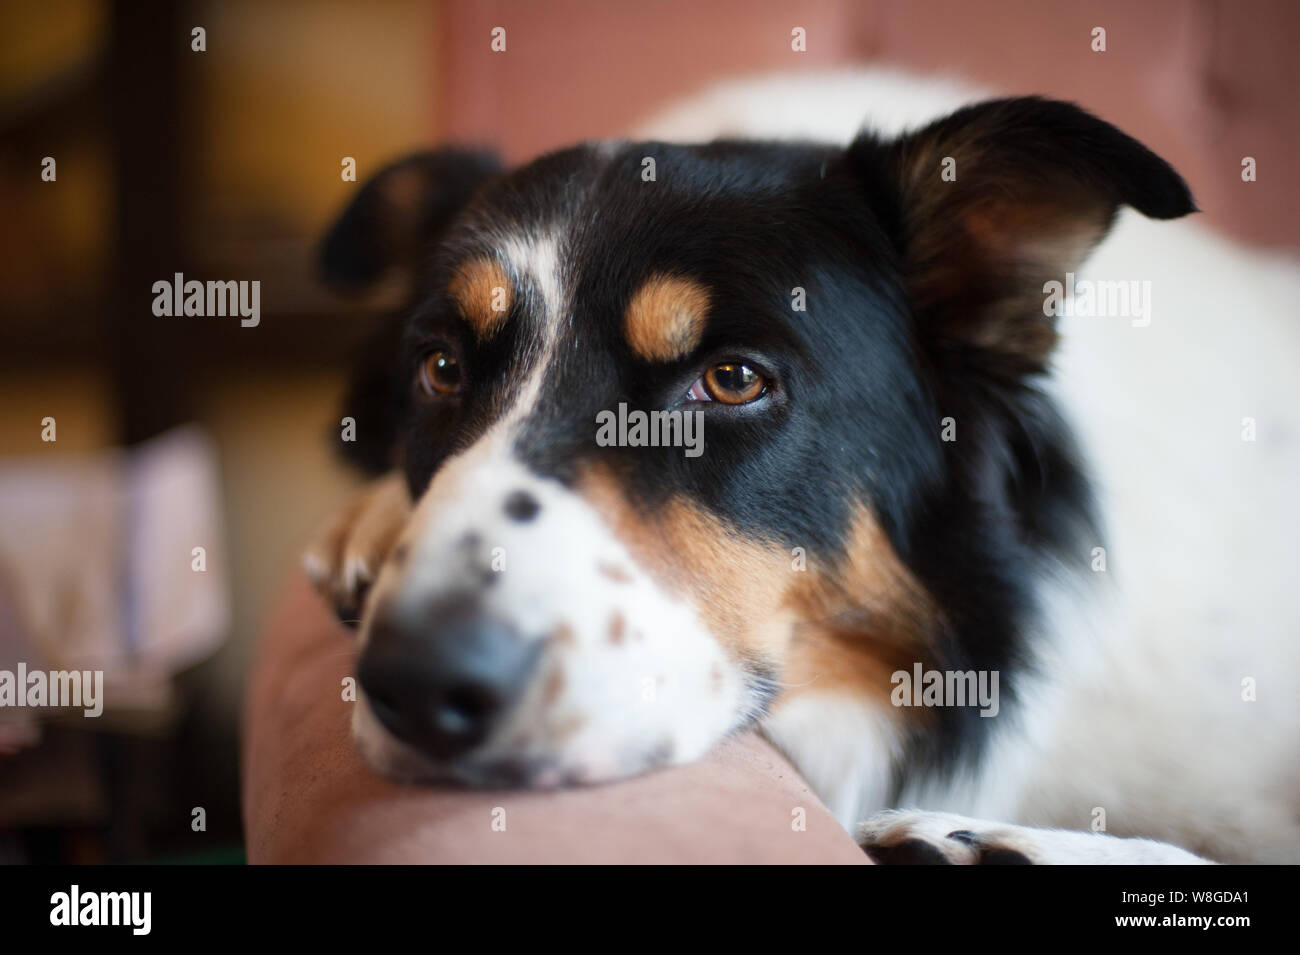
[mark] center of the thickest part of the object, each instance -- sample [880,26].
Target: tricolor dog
[952,547]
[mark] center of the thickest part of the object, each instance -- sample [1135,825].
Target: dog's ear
[394,222]
[399,214]
[999,198]
[376,398]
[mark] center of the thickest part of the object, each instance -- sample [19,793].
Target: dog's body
[1107,526]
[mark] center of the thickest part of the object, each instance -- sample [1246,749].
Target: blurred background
[224,164]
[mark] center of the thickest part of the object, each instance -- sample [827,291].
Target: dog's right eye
[729,383]
[440,373]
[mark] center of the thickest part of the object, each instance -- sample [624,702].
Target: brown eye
[733,383]
[440,373]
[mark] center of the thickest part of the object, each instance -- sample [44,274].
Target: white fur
[1140,710]
[840,724]
[825,107]
[534,262]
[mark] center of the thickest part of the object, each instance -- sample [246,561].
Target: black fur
[861,379]
[377,231]
[374,235]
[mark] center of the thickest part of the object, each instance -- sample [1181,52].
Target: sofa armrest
[308,798]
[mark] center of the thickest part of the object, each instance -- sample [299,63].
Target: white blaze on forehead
[536,259]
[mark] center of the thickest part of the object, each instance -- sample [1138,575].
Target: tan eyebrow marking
[666,317]
[483,292]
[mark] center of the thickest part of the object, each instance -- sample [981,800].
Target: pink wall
[1204,83]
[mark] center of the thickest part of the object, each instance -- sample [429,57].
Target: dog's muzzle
[518,642]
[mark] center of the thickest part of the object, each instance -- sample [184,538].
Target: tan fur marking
[861,620]
[554,687]
[616,574]
[564,636]
[734,583]
[477,286]
[617,629]
[845,627]
[363,533]
[665,319]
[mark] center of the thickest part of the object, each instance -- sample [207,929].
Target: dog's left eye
[729,382]
[440,373]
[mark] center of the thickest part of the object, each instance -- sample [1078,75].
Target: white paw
[344,558]
[909,837]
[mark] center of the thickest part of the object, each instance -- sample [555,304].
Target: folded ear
[395,220]
[999,198]
[399,214]
[375,398]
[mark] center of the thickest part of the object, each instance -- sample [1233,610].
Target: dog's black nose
[440,682]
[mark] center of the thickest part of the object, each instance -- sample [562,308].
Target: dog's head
[588,588]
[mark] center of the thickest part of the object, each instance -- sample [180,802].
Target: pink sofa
[308,798]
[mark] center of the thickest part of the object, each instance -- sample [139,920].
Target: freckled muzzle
[516,641]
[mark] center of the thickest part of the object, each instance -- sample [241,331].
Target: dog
[954,542]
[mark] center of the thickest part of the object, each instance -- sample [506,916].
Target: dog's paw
[906,837]
[345,556]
